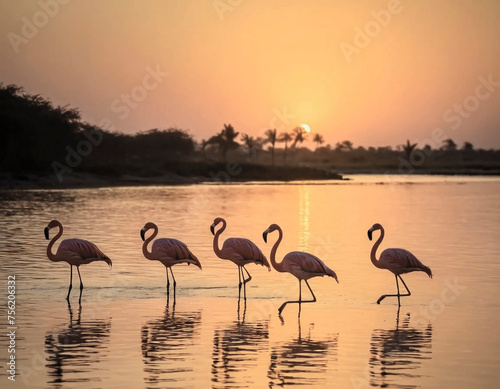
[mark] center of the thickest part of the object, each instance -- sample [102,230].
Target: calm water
[127,335]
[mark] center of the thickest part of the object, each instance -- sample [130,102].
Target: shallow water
[126,334]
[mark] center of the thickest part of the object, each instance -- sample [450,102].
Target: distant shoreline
[79,180]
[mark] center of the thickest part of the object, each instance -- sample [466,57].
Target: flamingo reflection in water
[168,349]
[74,351]
[168,251]
[398,353]
[75,252]
[302,265]
[302,361]
[236,351]
[398,261]
[240,251]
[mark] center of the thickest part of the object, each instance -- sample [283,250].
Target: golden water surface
[126,333]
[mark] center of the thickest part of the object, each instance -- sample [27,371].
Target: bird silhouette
[398,261]
[75,252]
[300,264]
[169,252]
[241,251]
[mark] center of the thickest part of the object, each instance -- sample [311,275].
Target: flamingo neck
[277,266]
[373,257]
[218,251]
[145,251]
[50,255]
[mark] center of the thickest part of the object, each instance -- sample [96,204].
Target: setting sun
[306,128]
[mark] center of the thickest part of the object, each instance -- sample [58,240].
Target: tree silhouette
[318,139]
[271,138]
[408,148]
[468,147]
[34,132]
[299,135]
[449,145]
[225,140]
[204,143]
[285,137]
[346,145]
[252,144]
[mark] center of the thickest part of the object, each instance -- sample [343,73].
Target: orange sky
[264,63]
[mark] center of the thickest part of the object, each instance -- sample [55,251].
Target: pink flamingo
[398,261]
[76,252]
[241,251]
[302,265]
[170,252]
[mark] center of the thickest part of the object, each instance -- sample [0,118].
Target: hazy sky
[373,72]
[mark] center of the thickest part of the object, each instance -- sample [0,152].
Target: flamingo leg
[300,301]
[245,280]
[173,278]
[408,290]
[81,286]
[239,279]
[396,295]
[70,282]
[168,282]
[249,276]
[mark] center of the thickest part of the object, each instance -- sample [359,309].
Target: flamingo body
[75,252]
[305,266]
[78,252]
[300,264]
[398,261]
[401,261]
[172,251]
[168,251]
[240,251]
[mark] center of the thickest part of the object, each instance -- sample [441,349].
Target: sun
[306,128]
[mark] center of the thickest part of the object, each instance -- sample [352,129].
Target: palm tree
[318,138]
[250,142]
[271,138]
[225,140]
[299,136]
[285,137]
[408,148]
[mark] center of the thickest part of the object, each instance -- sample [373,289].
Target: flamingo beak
[143,233]
[264,235]
[370,233]
[46,232]
[212,227]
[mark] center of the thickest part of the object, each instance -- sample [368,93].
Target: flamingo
[300,264]
[241,251]
[75,252]
[170,252]
[398,261]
